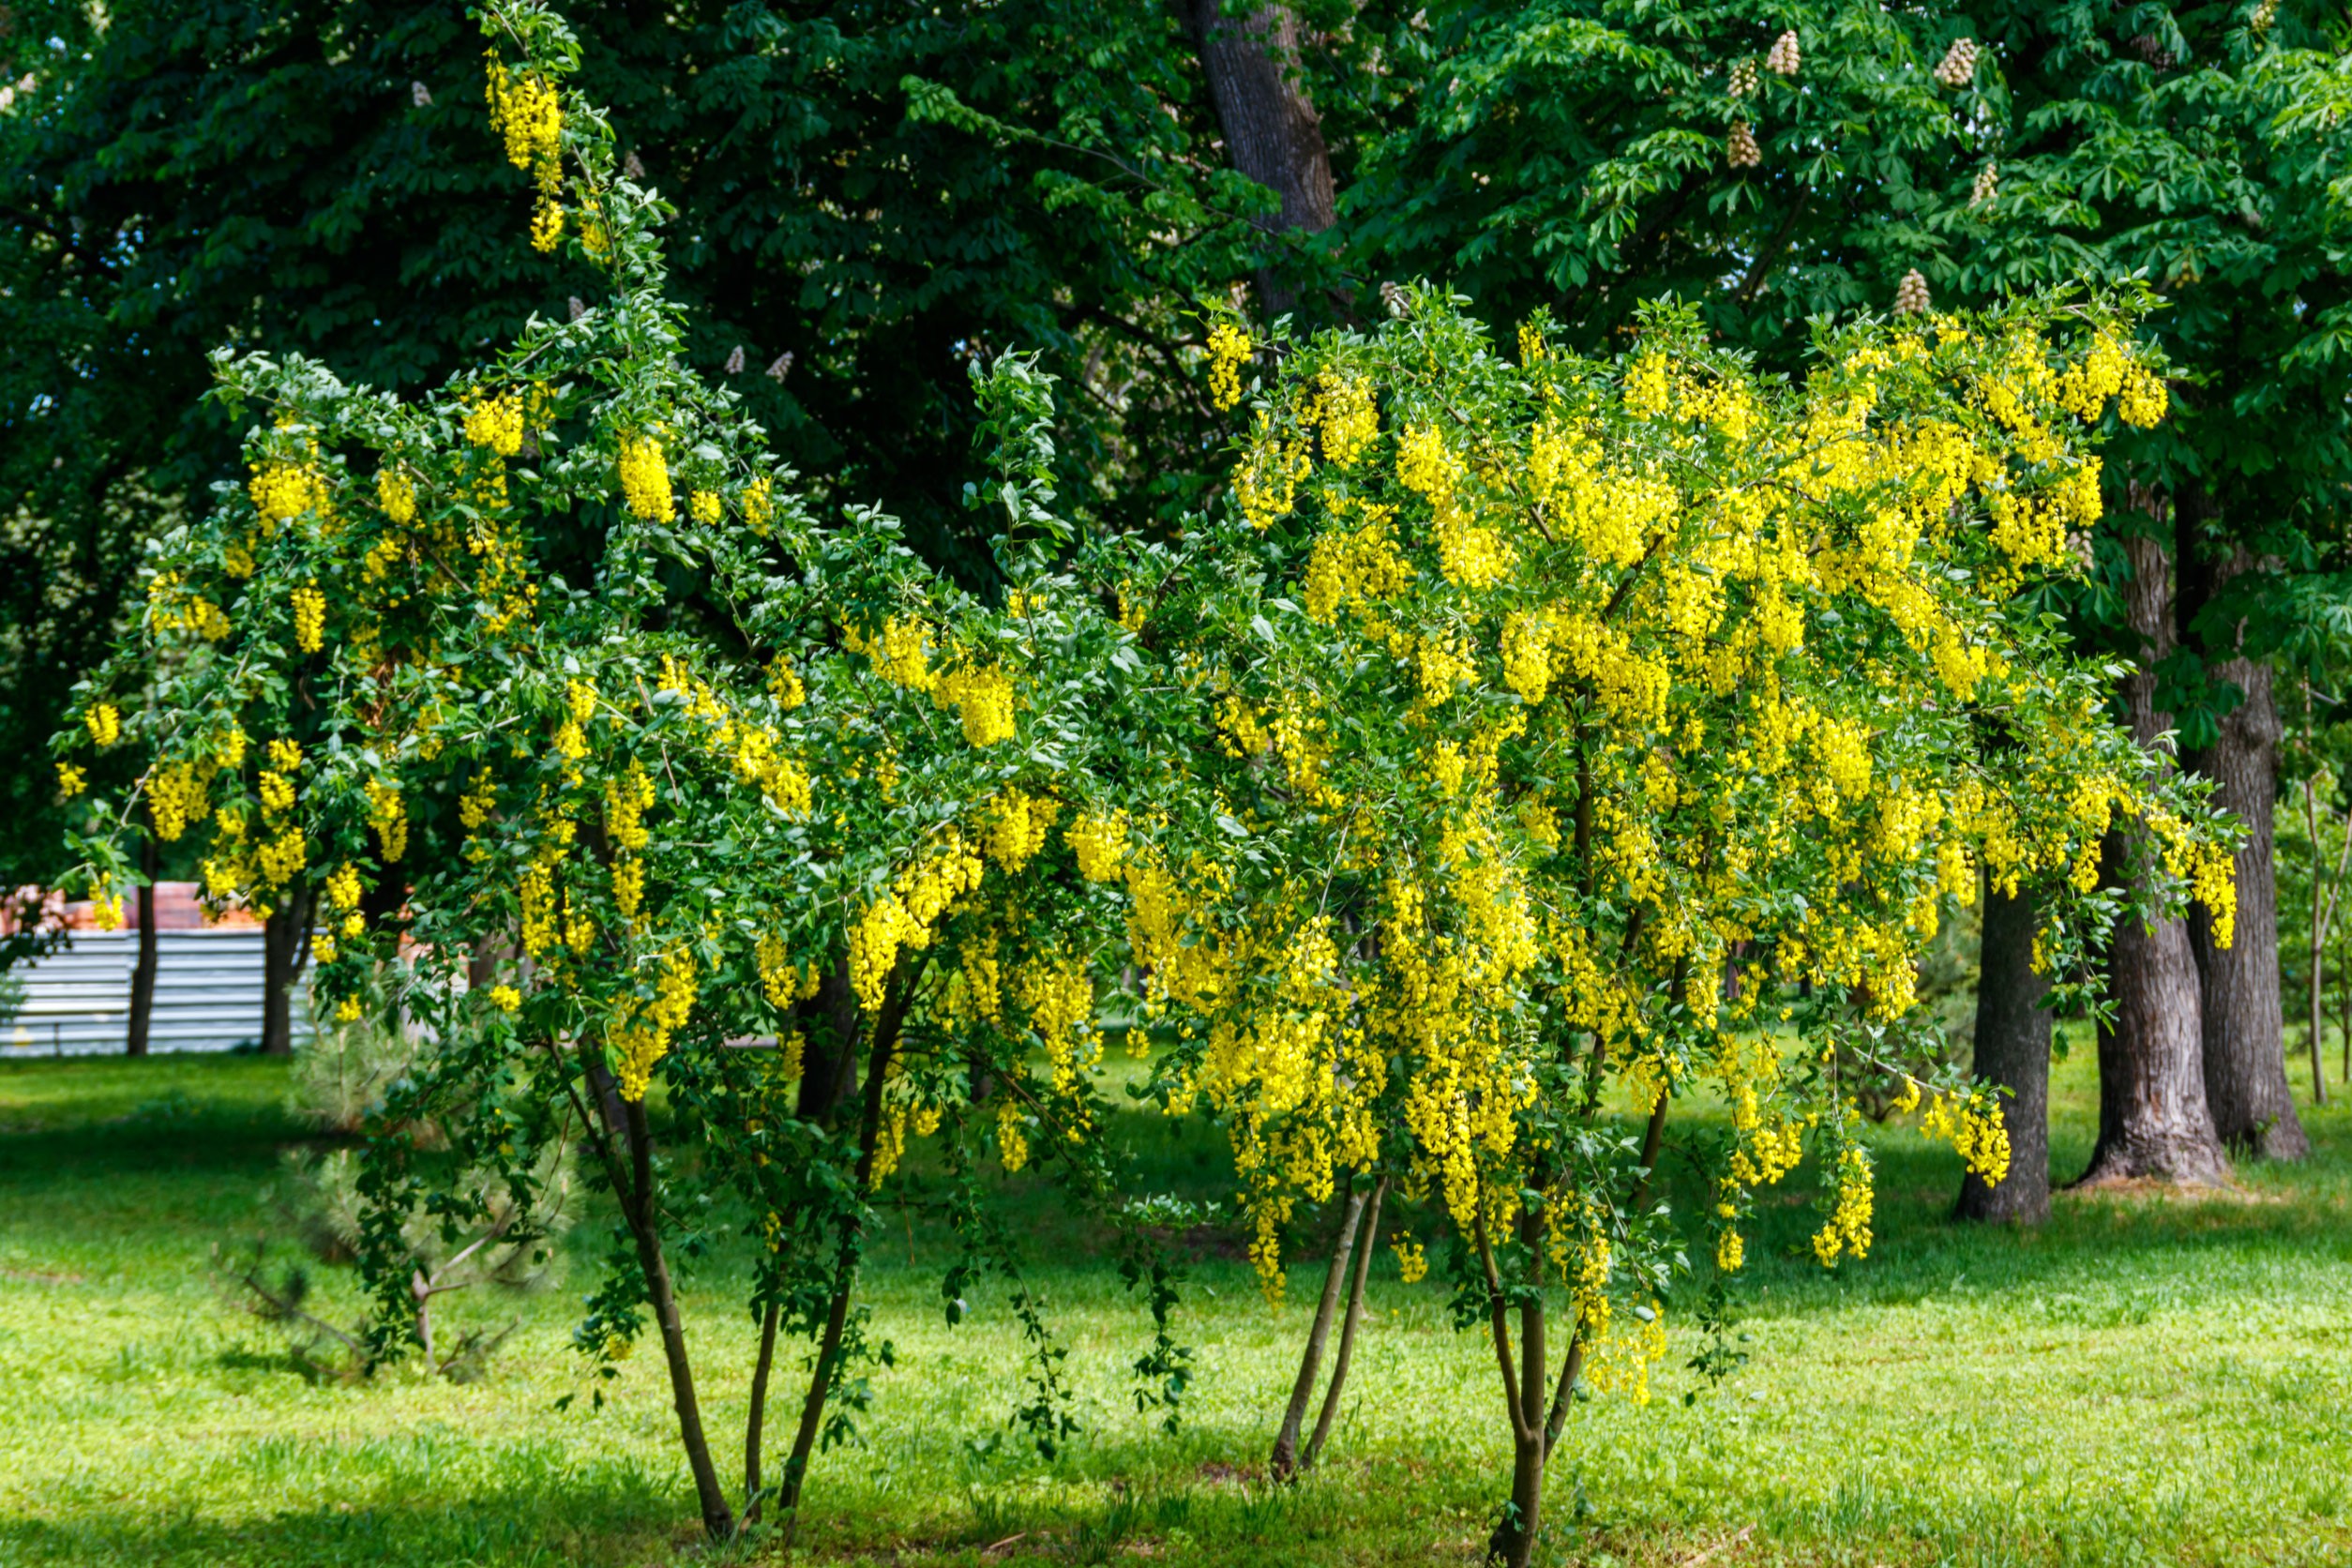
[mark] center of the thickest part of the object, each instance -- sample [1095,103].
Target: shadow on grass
[406,1504]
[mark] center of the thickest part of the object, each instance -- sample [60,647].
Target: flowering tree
[668,784]
[1570,714]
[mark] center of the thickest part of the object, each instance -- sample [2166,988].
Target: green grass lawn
[2145,1381]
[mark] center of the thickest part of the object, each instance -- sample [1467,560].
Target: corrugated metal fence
[207,994]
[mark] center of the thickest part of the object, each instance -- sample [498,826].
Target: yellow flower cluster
[783,982]
[395,492]
[640,1032]
[309,619]
[1229,350]
[283,491]
[1017,826]
[1100,845]
[494,422]
[983,697]
[1348,417]
[388,817]
[645,477]
[903,918]
[527,112]
[105,723]
[1266,481]
[1847,1229]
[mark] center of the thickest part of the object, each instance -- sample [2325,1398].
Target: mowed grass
[2146,1382]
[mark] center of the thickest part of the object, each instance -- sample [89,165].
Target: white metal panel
[207,994]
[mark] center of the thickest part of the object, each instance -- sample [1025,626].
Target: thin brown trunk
[2243,1034]
[142,975]
[1272,131]
[755,1420]
[1284,1463]
[2323,908]
[885,1039]
[285,950]
[1366,1241]
[2153,1122]
[2012,1052]
[719,1519]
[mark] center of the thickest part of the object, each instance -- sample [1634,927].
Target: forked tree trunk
[1366,1241]
[1284,1463]
[1535,1430]
[1272,131]
[2243,1034]
[285,951]
[143,974]
[2012,1050]
[2153,1121]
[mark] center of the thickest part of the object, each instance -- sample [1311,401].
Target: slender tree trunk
[755,1420]
[885,1039]
[2325,889]
[1365,1242]
[2152,1117]
[285,951]
[143,974]
[1284,1463]
[719,1520]
[2012,1050]
[1272,131]
[2243,1034]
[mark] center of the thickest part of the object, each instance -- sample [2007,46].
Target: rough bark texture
[1272,131]
[2243,1032]
[2012,1050]
[143,974]
[2153,1122]
[829,1031]
[285,949]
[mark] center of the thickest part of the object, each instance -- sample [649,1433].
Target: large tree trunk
[2012,1050]
[2152,1117]
[2244,1035]
[1272,131]
[143,974]
[829,1029]
[285,949]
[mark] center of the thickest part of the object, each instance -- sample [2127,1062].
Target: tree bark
[285,951]
[719,1520]
[1272,131]
[143,974]
[829,1027]
[1284,1463]
[2153,1122]
[885,1035]
[2243,1034]
[2326,889]
[2012,1050]
[1365,1240]
[754,1418]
